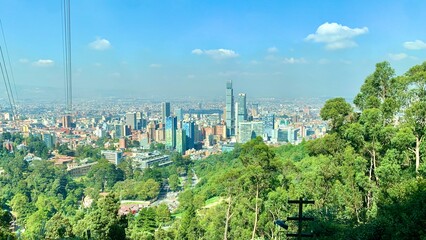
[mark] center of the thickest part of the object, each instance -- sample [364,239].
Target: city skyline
[188,48]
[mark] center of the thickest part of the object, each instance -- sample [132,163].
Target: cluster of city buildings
[183,126]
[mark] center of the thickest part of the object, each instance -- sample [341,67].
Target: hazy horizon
[191,48]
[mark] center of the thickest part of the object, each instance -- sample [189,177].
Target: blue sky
[190,48]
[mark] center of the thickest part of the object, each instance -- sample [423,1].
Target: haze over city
[191,48]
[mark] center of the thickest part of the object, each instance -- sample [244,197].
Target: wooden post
[300,219]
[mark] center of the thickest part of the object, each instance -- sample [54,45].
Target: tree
[230,181]
[257,178]
[337,111]
[5,219]
[162,214]
[381,90]
[103,175]
[6,136]
[58,227]
[38,147]
[189,227]
[174,182]
[102,221]
[21,206]
[371,119]
[127,167]
[144,224]
[415,114]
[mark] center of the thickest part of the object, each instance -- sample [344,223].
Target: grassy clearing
[211,200]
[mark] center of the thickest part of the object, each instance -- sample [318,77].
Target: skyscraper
[255,109]
[179,114]
[131,120]
[165,111]
[268,123]
[150,129]
[241,111]
[66,121]
[49,139]
[171,126]
[180,141]
[230,111]
[242,107]
[118,128]
[189,128]
[140,121]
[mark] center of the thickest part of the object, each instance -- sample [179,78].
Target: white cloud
[272,50]
[294,60]
[155,65]
[397,56]
[216,53]
[336,36]
[100,44]
[44,63]
[416,45]
[190,76]
[197,51]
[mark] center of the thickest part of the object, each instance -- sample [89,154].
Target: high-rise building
[230,111]
[290,135]
[242,107]
[198,135]
[49,139]
[131,120]
[280,135]
[171,126]
[241,111]
[160,134]
[66,121]
[122,143]
[126,131]
[140,121]
[189,128]
[181,140]
[139,115]
[150,129]
[255,109]
[268,123]
[250,130]
[165,111]
[113,157]
[220,131]
[179,114]
[118,129]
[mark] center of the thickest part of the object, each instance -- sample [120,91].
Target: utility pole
[300,219]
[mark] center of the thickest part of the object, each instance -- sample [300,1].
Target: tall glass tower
[230,111]
[242,107]
[165,111]
[171,126]
[241,111]
[131,120]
